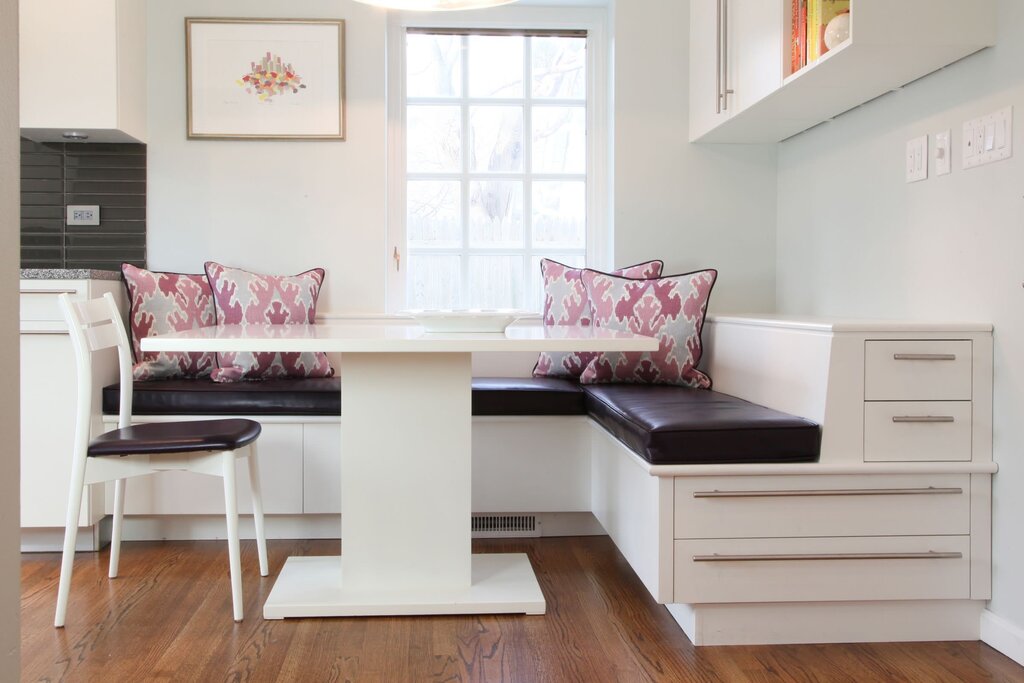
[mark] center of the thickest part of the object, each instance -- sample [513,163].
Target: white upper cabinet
[741,88]
[83,68]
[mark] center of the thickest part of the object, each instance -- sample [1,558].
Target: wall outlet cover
[917,159]
[80,214]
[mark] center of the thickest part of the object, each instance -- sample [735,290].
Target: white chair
[205,446]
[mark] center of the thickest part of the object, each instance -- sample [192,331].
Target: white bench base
[829,622]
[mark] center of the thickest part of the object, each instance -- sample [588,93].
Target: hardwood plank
[168,618]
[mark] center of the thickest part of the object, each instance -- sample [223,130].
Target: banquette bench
[750,522]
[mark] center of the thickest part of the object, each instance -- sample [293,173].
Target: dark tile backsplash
[56,174]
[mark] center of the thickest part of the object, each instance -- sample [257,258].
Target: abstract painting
[268,79]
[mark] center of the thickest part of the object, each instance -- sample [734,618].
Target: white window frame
[598,204]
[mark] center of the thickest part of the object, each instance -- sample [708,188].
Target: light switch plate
[943,152]
[917,159]
[79,214]
[988,138]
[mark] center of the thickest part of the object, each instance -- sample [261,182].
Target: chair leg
[231,511]
[115,532]
[257,509]
[70,537]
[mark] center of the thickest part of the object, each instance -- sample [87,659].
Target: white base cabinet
[48,403]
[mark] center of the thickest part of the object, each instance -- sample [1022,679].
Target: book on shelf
[798,35]
[813,28]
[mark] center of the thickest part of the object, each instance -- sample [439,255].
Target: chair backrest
[96,325]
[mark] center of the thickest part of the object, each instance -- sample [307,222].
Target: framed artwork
[265,79]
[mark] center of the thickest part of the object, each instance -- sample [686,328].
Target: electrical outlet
[79,214]
[917,159]
[988,138]
[943,152]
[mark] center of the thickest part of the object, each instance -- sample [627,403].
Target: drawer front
[823,569]
[830,505]
[38,300]
[917,370]
[908,431]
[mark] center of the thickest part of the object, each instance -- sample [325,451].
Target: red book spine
[803,32]
[794,54]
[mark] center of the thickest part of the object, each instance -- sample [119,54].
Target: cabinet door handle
[48,291]
[718,57]
[931,490]
[726,91]
[924,356]
[922,418]
[803,557]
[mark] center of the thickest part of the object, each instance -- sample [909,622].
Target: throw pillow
[566,303]
[167,302]
[671,309]
[244,298]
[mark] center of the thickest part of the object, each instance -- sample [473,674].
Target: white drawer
[822,505]
[38,300]
[913,370]
[900,431]
[822,569]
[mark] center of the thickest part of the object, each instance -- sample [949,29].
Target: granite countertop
[68,274]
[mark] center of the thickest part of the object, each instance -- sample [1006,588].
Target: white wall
[272,206]
[10,562]
[694,206]
[854,239]
[672,200]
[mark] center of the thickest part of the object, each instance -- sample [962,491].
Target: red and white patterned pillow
[566,303]
[244,298]
[167,302]
[671,309]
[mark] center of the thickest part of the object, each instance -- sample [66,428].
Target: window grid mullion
[527,167]
[467,146]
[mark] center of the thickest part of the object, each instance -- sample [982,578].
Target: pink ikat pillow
[246,299]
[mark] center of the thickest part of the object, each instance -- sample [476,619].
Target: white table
[406,463]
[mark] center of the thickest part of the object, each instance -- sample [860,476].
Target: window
[495,164]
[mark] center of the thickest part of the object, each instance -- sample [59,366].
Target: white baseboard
[211,527]
[1003,635]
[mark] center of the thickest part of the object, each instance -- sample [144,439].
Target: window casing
[493,169]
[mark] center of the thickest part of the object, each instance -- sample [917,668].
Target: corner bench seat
[662,424]
[678,426]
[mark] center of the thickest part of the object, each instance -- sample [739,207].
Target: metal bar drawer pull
[930,555]
[924,356]
[922,418]
[48,291]
[825,492]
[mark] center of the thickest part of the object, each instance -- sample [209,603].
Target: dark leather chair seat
[491,396]
[176,437]
[676,425]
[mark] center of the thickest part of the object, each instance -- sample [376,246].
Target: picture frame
[265,79]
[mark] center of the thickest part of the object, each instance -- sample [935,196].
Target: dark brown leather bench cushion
[491,396]
[526,396]
[675,425]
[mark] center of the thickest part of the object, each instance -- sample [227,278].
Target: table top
[401,337]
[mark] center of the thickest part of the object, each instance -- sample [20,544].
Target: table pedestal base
[314,587]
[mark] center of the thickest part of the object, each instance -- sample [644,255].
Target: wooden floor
[168,618]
